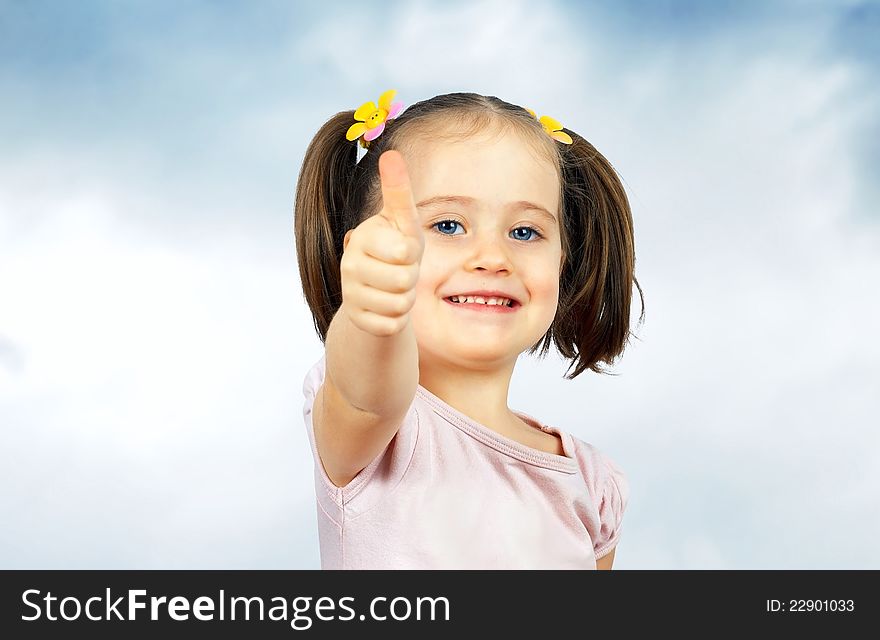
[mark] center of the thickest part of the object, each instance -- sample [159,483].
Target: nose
[487,252]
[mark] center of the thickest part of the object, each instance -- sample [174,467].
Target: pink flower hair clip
[371,120]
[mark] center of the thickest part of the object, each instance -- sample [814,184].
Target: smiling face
[481,241]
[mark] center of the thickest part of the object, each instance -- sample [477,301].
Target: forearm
[377,374]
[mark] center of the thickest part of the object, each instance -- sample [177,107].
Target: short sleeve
[374,480]
[613,496]
[311,384]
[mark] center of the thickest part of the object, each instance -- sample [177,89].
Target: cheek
[545,295]
[427,285]
[541,276]
[431,273]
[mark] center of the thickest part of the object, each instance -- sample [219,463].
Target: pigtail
[322,216]
[593,317]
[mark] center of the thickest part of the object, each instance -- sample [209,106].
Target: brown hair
[335,193]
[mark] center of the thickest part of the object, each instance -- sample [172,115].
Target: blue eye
[534,231]
[437,224]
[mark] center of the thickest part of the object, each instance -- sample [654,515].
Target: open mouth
[489,304]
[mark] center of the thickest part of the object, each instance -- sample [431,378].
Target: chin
[476,352]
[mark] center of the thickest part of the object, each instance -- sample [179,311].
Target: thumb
[397,198]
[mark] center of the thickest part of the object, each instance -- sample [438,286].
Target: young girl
[468,233]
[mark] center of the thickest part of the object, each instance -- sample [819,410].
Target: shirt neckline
[565,463]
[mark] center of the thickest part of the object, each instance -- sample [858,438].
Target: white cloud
[153,384]
[486,46]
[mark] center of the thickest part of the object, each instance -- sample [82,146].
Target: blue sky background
[153,334]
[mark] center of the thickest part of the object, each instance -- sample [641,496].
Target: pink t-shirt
[449,493]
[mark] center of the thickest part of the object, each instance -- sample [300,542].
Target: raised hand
[382,255]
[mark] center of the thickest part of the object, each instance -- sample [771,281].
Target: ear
[345,239]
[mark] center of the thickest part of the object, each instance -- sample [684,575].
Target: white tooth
[480,299]
[469,299]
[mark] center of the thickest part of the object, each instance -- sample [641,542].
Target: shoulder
[381,474]
[602,473]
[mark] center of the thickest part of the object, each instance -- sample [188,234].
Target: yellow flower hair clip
[372,120]
[553,127]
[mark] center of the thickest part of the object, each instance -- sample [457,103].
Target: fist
[381,256]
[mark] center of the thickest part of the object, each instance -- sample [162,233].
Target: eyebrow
[519,205]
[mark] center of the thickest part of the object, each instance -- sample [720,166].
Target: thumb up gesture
[382,255]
